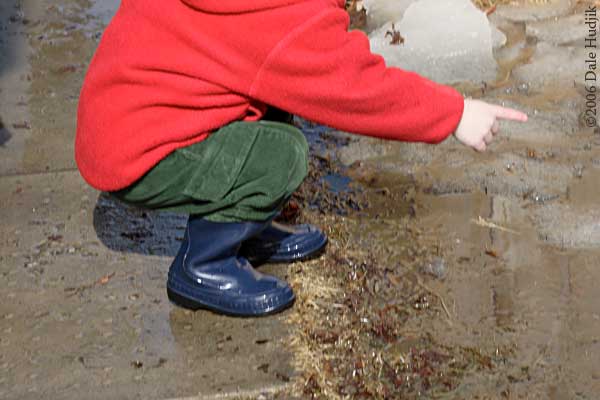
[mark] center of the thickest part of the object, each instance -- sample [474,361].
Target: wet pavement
[518,226]
[84,312]
[487,261]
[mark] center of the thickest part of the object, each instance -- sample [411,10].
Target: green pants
[245,171]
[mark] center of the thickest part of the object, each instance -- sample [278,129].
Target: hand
[479,123]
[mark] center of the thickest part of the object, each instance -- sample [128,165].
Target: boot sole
[184,294]
[189,304]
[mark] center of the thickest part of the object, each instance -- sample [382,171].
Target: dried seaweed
[357,306]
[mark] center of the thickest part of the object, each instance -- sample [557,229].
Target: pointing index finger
[510,113]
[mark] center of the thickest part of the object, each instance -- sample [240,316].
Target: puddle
[338,183]
[103,10]
[516,311]
[521,303]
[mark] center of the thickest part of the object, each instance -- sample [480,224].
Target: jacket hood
[243,6]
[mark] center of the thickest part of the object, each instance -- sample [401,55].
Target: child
[174,115]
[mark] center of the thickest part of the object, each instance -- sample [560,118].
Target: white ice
[447,41]
[380,12]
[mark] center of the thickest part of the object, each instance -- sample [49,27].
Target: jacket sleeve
[324,73]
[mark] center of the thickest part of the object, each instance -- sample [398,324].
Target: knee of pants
[293,151]
[300,153]
[298,161]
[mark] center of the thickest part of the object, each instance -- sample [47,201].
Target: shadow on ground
[123,228]
[4,134]
[9,14]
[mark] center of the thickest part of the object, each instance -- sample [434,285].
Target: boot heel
[181,301]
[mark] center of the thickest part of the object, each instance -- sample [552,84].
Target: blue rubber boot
[280,243]
[208,272]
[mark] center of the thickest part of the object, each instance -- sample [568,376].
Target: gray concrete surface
[84,312]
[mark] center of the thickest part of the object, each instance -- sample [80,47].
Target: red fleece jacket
[166,74]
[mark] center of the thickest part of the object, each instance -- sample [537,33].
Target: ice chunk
[380,12]
[552,65]
[568,226]
[522,11]
[445,40]
[559,31]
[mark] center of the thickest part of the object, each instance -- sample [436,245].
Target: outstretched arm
[322,72]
